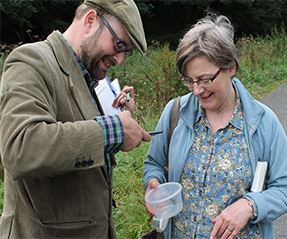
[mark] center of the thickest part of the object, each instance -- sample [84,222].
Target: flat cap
[128,14]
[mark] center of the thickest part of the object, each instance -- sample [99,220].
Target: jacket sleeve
[34,142]
[270,143]
[157,153]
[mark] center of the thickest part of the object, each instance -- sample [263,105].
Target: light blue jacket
[266,141]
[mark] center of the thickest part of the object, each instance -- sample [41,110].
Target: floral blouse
[217,173]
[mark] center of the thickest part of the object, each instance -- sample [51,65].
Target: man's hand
[133,133]
[231,220]
[122,99]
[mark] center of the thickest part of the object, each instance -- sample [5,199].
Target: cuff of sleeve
[253,206]
[113,133]
[260,205]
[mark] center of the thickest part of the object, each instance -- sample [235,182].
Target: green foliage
[19,11]
[130,215]
[154,77]
[144,8]
[43,16]
[263,62]
[17,16]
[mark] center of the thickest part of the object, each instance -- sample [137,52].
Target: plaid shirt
[113,133]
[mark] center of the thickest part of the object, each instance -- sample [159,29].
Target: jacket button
[77,164]
[84,163]
[90,162]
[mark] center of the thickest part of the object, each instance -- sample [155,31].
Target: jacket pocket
[78,198]
[83,228]
[6,226]
[75,223]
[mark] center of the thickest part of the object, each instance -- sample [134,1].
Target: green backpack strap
[173,120]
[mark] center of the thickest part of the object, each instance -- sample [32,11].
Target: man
[56,147]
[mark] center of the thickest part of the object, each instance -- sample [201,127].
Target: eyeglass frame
[117,41]
[203,83]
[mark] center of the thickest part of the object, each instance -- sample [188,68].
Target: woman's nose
[197,89]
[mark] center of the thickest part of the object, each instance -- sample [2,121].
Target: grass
[262,68]
[130,215]
[263,63]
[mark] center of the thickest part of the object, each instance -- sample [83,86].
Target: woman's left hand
[231,220]
[122,99]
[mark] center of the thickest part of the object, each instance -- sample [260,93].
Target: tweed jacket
[52,150]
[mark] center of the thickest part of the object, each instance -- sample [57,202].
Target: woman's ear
[232,70]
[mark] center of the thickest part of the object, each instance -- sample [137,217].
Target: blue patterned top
[217,173]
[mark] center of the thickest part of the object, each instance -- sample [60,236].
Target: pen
[128,96]
[152,133]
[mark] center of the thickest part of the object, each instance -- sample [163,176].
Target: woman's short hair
[211,36]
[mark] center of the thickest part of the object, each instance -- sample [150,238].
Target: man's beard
[91,54]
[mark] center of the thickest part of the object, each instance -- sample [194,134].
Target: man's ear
[91,18]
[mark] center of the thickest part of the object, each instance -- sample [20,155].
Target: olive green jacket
[51,148]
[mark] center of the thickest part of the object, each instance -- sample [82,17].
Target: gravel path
[277,101]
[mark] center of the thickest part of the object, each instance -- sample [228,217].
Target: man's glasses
[187,81]
[119,44]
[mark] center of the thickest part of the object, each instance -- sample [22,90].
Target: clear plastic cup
[159,223]
[165,201]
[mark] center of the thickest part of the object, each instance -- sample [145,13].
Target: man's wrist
[113,134]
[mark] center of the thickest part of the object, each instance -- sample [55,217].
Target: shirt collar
[237,116]
[236,119]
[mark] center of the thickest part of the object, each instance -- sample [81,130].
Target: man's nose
[119,58]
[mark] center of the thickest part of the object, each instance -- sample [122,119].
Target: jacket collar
[71,68]
[252,110]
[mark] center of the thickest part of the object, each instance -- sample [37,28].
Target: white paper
[107,95]
[115,84]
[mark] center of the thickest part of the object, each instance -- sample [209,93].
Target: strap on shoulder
[173,120]
[174,117]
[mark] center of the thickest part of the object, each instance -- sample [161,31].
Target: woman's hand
[152,183]
[123,100]
[231,220]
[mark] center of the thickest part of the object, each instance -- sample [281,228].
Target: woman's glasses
[187,81]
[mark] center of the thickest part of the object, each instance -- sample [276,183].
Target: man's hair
[211,36]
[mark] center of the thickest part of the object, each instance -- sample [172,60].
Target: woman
[221,134]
